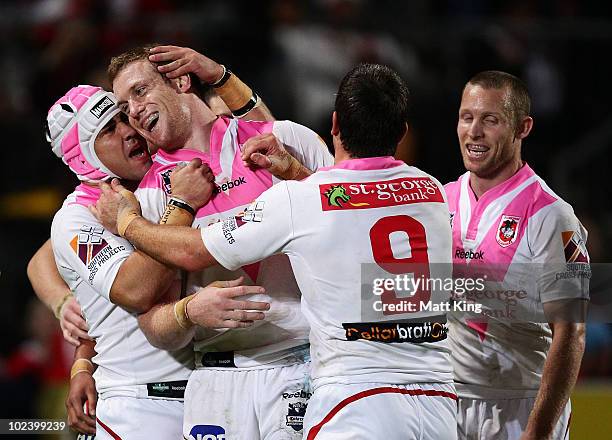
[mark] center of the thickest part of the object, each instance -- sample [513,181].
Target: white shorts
[254,404]
[502,419]
[129,418]
[367,411]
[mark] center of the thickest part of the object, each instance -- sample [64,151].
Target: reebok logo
[226,186]
[301,394]
[101,107]
[469,255]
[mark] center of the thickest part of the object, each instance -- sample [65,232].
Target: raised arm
[241,100]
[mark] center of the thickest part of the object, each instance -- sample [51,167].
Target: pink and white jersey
[342,228]
[88,258]
[531,248]
[285,328]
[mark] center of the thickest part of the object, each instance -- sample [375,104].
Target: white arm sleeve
[84,250]
[303,144]
[558,244]
[265,229]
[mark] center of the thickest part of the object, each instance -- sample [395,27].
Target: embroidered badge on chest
[507,230]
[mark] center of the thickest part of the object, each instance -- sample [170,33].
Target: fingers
[260,160]
[248,305]
[77,419]
[236,324]
[116,185]
[81,324]
[196,163]
[253,145]
[243,315]
[231,292]
[158,51]
[165,68]
[69,338]
[72,314]
[92,401]
[76,332]
[232,283]
[105,187]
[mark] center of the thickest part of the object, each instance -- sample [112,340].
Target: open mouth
[137,152]
[151,121]
[476,151]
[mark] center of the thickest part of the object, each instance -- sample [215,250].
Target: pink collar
[367,163]
[507,185]
[87,195]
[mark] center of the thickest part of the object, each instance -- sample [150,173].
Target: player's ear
[524,128]
[183,83]
[335,130]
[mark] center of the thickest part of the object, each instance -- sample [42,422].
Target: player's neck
[340,154]
[202,120]
[481,185]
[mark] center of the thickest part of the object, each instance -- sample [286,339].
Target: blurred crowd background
[294,53]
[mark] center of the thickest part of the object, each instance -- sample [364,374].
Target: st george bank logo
[365,195]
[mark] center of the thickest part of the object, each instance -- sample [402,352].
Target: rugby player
[513,376]
[246,381]
[375,378]
[93,138]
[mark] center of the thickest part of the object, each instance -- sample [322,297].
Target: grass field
[592,411]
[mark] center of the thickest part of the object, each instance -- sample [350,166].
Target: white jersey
[532,248]
[285,330]
[88,258]
[342,228]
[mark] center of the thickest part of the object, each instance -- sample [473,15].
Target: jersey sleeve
[265,228]
[558,245]
[85,251]
[303,144]
[153,199]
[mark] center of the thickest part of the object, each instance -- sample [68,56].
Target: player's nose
[475,130]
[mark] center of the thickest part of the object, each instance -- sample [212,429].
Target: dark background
[295,53]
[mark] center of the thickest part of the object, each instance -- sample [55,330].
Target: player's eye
[108,128]
[140,91]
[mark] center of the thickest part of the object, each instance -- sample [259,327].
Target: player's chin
[476,167]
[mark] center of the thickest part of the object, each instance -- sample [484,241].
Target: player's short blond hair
[120,62]
[139,53]
[517,106]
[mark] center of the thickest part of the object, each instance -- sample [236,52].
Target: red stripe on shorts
[107,429]
[367,393]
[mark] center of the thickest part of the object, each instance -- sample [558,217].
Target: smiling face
[122,150]
[489,141]
[154,106]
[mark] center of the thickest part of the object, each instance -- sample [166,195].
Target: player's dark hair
[120,62]
[371,110]
[517,105]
